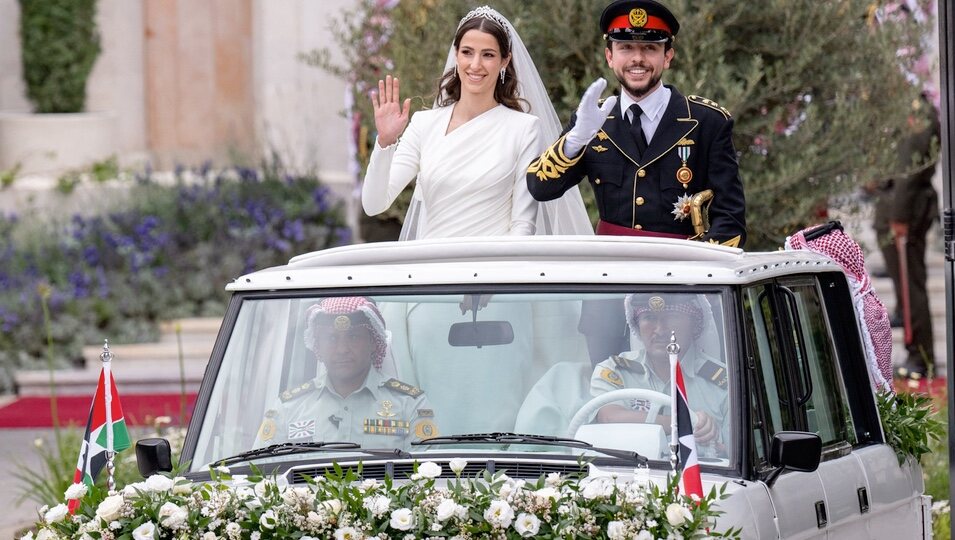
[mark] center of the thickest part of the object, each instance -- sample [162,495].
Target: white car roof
[530,259]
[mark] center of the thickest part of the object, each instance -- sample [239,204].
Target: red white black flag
[690,482]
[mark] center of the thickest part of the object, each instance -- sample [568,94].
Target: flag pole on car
[683,456]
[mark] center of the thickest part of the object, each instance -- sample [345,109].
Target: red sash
[610,229]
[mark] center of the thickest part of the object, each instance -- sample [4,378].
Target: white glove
[590,118]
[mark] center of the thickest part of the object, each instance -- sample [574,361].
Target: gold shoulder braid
[403,388]
[552,163]
[709,103]
[298,391]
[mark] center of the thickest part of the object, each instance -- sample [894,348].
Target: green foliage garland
[910,425]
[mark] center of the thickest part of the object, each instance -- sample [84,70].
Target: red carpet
[139,409]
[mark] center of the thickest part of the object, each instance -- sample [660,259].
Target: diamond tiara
[487,12]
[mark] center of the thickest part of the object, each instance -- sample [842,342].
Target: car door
[807,372]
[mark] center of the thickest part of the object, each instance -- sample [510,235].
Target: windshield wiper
[285,449]
[519,438]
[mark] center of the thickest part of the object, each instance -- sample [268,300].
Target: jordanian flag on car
[690,481]
[105,432]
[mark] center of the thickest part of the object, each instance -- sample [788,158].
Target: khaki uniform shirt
[706,388]
[381,414]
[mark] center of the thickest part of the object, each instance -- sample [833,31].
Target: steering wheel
[658,400]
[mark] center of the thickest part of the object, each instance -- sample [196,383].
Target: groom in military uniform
[660,163]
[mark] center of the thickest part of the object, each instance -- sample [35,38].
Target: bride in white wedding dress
[470,153]
[469,156]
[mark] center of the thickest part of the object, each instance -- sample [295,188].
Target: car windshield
[391,371]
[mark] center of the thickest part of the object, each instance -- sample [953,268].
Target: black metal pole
[946,53]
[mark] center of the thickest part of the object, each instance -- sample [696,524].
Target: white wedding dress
[471,180]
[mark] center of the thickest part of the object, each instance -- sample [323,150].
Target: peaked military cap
[638,20]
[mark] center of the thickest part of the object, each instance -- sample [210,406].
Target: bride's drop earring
[502,75]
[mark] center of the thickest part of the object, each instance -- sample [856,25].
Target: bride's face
[479,62]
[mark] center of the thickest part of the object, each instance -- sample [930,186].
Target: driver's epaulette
[403,387]
[628,365]
[298,391]
[714,373]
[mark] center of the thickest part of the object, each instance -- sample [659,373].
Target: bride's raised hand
[391,117]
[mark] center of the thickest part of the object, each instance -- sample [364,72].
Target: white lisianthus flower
[368,484]
[209,535]
[644,535]
[75,491]
[527,525]
[297,495]
[616,530]
[457,465]
[447,509]
[181,485]
[347,533]
[553,479]
[233,529]
[110,508]
[402,519]
[158,483]
[56,513]
[499,514]
[244,492]
[377,505]
[677,514]
[171,515]
[332,506]
[547,493]
[429,469]
[130,490]
[597,487]
[267,520]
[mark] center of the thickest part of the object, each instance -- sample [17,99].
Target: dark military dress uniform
[690,152]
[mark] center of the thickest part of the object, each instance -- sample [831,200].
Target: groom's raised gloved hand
[591,116]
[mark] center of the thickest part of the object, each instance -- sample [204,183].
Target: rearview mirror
[480,334]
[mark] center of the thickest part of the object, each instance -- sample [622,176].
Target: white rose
[75,491]
[616,530]
[146,531]
[346,533]
[499,514]
[429,469]
[457,465]
[678,514]
[377,505]
[402,519]
[171,515]
[267,520]
[158,483]
[368,484]
[447,509]
[110,508]
[527,524]
[547,493]
[553,479]
[332,506]
[56,513]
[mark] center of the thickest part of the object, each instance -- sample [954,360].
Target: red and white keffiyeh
[871,313]
[349,305]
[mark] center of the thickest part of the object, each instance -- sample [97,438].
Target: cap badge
[638,17]
[656,303]
[342,322]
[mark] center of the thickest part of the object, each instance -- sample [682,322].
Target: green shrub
[59,45]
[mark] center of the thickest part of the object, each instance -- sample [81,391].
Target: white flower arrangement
[343,506]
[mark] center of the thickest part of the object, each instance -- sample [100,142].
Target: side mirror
[480,333]
[794,450]
[152,456]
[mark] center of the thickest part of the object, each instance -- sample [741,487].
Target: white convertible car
[524,354]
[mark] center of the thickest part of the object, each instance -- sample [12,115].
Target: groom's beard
[635,91]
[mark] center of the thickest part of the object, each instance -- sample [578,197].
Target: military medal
[681,208]
[684,174]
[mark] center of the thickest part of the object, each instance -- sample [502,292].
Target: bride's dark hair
[449,85]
